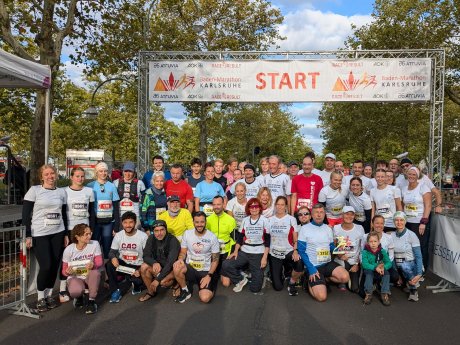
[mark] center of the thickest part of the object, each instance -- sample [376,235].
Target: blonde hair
[270,198]
[43,168]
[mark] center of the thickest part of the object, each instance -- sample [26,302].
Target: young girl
[376,263]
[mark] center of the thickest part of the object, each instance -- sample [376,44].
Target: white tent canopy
[16,72]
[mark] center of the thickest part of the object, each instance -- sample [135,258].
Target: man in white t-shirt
[126,257]
[198,261]
[252,184]
[329,167]
[358,168]
[278,183]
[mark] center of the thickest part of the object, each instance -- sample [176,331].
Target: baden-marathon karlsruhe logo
[173,84]
[351,83]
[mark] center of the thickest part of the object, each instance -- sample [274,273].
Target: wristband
[424,221]
[210,274]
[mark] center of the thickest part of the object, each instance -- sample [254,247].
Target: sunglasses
[102,188]
[304,213]
[254,206]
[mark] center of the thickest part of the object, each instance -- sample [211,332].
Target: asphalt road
[244,318]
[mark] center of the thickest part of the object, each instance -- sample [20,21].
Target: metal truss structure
[437,57]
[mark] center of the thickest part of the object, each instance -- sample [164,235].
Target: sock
[185,288]
[40,294]
[63,286]
[48,292]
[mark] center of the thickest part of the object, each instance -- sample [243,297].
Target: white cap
[348,209]
[330,155]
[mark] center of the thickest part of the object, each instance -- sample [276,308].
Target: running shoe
[116,296]
[136,290]
[368,299]
[413,296]
[385,299]
[292,289]
[238,287]
[91,308]
[78,302]
[42,305]
[51,302]
[184,295]
[64,297]
[342,287]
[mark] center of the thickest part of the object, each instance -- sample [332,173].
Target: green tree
[36,30]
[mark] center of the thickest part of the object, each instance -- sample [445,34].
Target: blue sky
[308,25]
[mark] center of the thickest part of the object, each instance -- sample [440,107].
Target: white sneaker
[238,287]
[413,297]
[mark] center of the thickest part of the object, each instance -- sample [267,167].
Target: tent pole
[47,124]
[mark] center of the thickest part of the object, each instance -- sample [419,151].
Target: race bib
[360,217]
[52,218]
[223,246]
[79,209]
[323,255]
[278,252]
[126,205]
[197,262]
[411,210]
[159,210]
[104,209]
[129,256]
[400,258]
[336,210]
[385,211]
[207,209]
[304,202]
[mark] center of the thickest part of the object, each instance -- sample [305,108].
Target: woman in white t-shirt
[361,202]
[45,218]
[236,207]
[416,200]
[386,200]
[266,201]
[333,197]
[80,209]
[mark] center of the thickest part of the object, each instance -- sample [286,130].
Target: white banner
[445,248]
[360,80]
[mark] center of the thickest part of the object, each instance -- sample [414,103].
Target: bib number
[385,211]
[126,205]
[104,209]
[52,218]
[207,209]
[197,263]
[223,247]
[323,255]
[79,209]
[130,256]
[411,210]
[278,252]
[336,210]
[360,217]
[400,258]
[304,202]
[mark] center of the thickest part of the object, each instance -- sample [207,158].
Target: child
[376,263]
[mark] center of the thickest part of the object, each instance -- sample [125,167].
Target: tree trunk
[37,137]
[203,133]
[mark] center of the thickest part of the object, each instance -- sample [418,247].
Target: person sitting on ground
[126,257]
[80,264]
[160,253]
[376,264]
[315,244]
[198,261]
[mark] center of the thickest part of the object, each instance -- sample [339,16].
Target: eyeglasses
[102,188]
[254,206]
[304,213]
[405,165]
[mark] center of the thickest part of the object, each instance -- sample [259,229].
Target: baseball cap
[249,166]
[129,166]
[159,222]
[348,209]
[405,161]
[173,198]
[330,155]
[292,163]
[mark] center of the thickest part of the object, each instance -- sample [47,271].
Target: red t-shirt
[182,189]
[307,189]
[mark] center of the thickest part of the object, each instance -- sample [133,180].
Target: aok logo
[172,84]
[351,83]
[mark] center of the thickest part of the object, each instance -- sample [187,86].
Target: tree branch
[7,35]
[67,29]
[454,97]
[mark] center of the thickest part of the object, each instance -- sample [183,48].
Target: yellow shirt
[177,225]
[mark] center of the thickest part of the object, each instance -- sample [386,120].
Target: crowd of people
[292,225]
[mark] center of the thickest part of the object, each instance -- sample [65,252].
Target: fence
[13,271]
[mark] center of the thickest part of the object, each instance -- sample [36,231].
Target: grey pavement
[244,318]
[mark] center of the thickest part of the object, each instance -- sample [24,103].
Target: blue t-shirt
[148,177]
[207,191]
[104,195]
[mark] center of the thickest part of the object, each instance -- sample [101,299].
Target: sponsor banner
[360,80]
[445,248]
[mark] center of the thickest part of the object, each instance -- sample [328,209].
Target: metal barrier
[13,271]
[451,201]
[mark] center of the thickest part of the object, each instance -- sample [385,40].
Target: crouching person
[198,261]
[126,257]
[80,264]
[160,253]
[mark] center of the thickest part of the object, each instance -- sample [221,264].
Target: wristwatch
[210,274]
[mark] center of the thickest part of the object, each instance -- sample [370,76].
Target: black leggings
[277,266]
[48,251]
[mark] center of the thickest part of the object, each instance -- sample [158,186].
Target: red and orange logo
[351,83]
[173,84]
